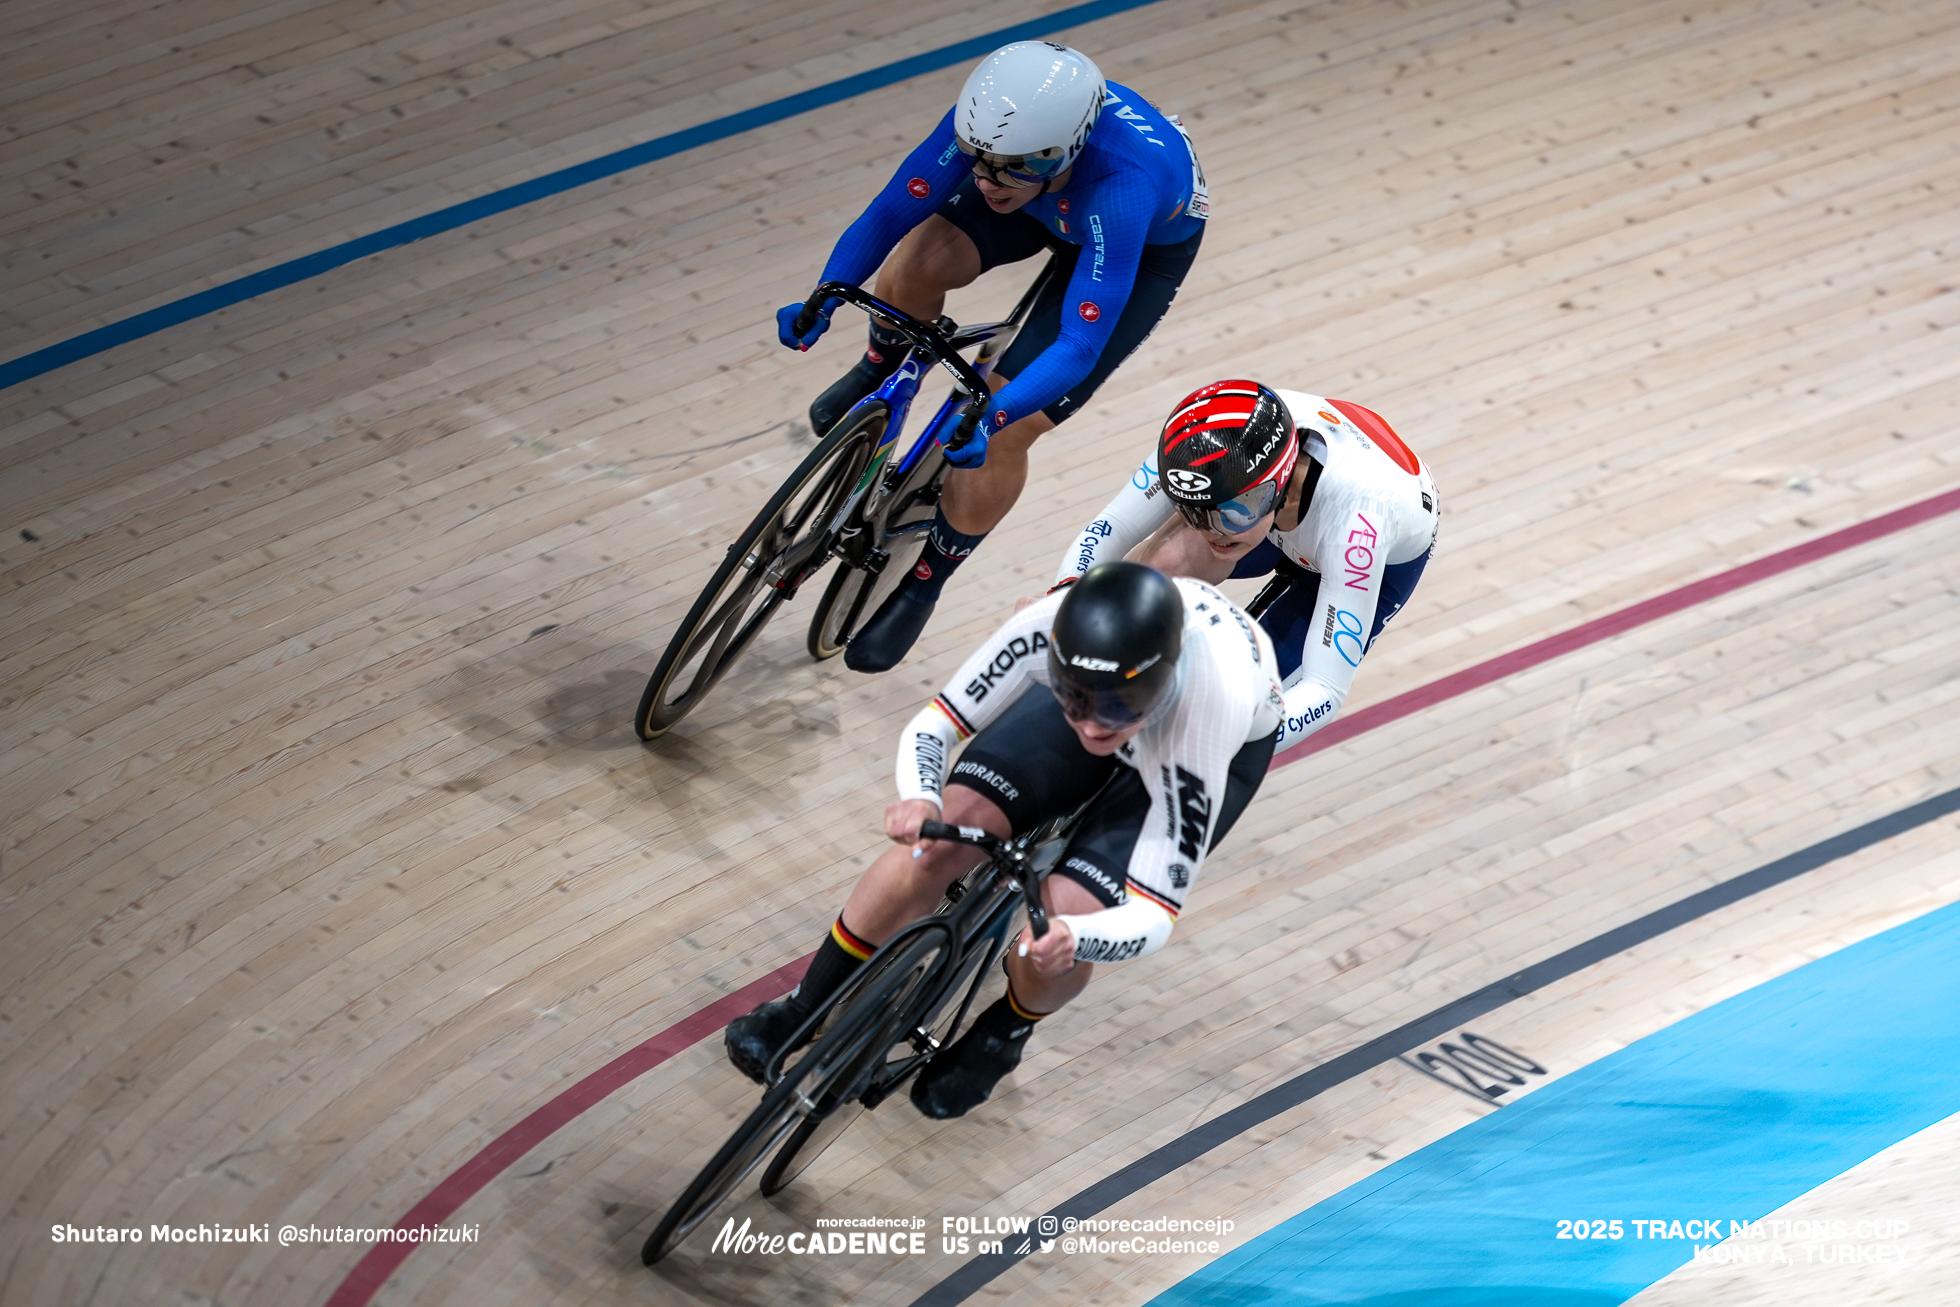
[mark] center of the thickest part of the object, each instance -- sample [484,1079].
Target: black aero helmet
[1112,658]
[1225,455]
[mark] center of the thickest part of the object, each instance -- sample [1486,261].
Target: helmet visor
[1115,707]
[1013,170]
[1237,515]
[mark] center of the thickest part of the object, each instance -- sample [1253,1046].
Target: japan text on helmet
[1025,112]
[1112,657]
[1225,455]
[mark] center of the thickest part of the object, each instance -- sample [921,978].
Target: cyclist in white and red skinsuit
[1367,530]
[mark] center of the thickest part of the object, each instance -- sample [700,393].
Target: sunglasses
[1016,171]
[1237,515]
[1105,708]
[1114,707]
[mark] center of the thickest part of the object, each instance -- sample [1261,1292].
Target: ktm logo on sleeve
[1193,815]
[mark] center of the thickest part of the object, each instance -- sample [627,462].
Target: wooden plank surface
[329,854]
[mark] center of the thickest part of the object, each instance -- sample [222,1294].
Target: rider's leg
[976,499]
[1040,995]
[897,890]
[972,503]
[933,258]
[964,1076]
[1089,878]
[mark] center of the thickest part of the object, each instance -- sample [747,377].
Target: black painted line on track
[1155,1165]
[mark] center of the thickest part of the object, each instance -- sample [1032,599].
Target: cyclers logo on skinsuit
[1085,550]
[1296,724]
[1003,661]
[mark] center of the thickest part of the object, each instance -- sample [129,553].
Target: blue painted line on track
[147,323]
[1727,1115]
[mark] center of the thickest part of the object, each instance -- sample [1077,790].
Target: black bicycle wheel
[846,604]
[926,997]
[838,1054]
[853,593]
[788,540]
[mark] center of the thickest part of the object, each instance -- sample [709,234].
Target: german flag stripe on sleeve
[960,723]
[1158,899]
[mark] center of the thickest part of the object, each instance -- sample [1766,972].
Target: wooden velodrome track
[329,855]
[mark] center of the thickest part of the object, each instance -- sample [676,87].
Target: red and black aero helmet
[1225,455]
[1112,657]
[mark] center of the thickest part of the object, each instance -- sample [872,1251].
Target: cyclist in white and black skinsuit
[1165,689]
[1227,495]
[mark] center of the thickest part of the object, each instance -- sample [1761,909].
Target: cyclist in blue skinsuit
[1039,153]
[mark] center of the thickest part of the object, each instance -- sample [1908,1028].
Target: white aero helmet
[1025,112]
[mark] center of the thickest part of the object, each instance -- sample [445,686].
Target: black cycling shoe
[850,388]
[964,1076]
[884,640]
[754,1039]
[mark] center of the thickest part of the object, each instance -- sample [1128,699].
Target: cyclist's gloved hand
[786,324]
[974,452]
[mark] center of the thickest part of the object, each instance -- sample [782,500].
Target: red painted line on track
[382,1260]
[442,1202]
[1616,623]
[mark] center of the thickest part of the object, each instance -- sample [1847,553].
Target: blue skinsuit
[1130,187]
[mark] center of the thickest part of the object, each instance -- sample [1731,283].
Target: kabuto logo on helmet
[1182,482]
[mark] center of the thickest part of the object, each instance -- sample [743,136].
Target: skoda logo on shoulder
[1187,483]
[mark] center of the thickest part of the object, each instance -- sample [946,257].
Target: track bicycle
[905,1004]
[849,499]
